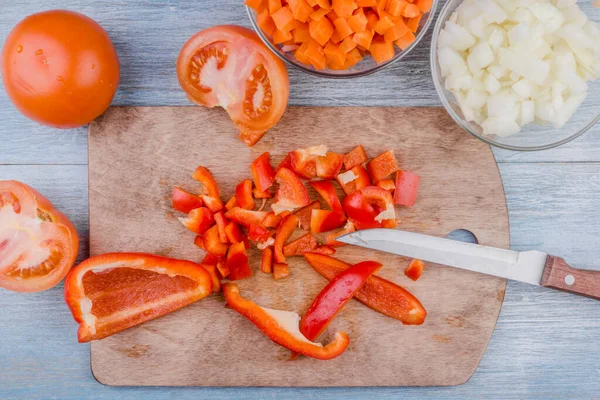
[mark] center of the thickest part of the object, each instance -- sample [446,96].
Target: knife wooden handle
[559,275]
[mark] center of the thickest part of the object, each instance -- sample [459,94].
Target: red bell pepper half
[355,157]
[207,180]
[184,201]
[360,212]
[271,323]
[243,195]
[327,191]
[237,262]
[379,294]
[266,264]
[348,228]
[212,242]
[198,220]
[257,233]
[262,172]
[354,179]
[291,193]
[414,269]
[284,232]
[246,217]
[382,166]
[329,166]
[280,271]
[300,246]
[334,297]
[325,220]
[407,186]
[305,213]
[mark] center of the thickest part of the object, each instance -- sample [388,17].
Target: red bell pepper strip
[246,217]
[214,204]
[233,232]
[199,241]
[272,324]
[414,269]
[266,264]
[325,220]
[360,179]
[349,228]
[223,268]
[382,166]
[198,220]
[381,198]
[300,246]
[284,232]
[334,297]
[387,184]
[271,220]
[237,262]
[324,250]
[360,212]
[221,224]
[231,203]
[262,172]
[207,180]
[280,271]
[379,294]
[355,157]
[257,233]
[329,166]
[214,274]
[305,213]
[327,191]
[184,201]
[407,186]
[291,193]
[243,195]
[212,242]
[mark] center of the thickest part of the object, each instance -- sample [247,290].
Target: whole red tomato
[60,68]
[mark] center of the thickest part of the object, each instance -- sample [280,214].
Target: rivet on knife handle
[559,275]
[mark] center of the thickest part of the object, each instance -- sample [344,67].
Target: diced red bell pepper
[360,179]
[246,217]
[387,184]
[237,261]
[304,161]
[280,271]
[305,213]
[266,265]
[233,232]
[276,330]
[300,246]
[243,195]
[261,195]
[325,220]
[382,166]
[284,232]
[291,193]
[329,166]
[407,186]
[355,157]
[214,274]
[221,224]
[360,212]
[334,297]
[324,250]
[184,201]
[257,233]
[414,269]
[199,241]
[210,259]
[381,198]
[214,204]
[198,220]
[212,243]
[379,294]
[285,163]
[262,172]
[223,268]
[272,220]
[207,180]
[349,228]
[231,203]
[327,191]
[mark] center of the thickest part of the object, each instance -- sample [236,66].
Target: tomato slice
[229,66]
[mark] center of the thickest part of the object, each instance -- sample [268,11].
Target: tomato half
[229,66]
[38,244]
[60,68]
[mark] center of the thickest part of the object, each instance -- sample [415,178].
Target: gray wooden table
[546,344]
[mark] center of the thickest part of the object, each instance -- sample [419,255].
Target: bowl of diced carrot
[341,38]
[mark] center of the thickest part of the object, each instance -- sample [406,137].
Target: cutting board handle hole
[462,235]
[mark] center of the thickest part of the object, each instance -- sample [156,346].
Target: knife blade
[533,267]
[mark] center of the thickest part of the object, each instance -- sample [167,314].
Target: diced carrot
[332,16]
[425,5]
[301,10]
[284,20]
[319,14]
[342,27]
[255,4]
[396,32]
[334,55]
[335,37]
[344,8]
[381,6]
[411,11]
[382,51]
[395,7]
[312,3]
[280,271]
[321,30]
[300,53]
[281,37]
[274,5]
[405,41]
[301,33]
[358,21]
[324,4]
[413,23]
[314,54]
[336,67]
[372,19]
[363,38]
[366,3]
[347,45]
[353,57]
[385,22]
[265,22]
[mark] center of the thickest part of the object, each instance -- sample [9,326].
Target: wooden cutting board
[137,155]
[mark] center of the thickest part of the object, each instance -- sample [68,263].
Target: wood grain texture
[460,188]
[560,275]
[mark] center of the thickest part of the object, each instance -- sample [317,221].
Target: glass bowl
[532,136]
[364,67]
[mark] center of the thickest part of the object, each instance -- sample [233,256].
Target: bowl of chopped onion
[519,74]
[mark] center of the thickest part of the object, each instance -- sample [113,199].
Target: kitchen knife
[532,267]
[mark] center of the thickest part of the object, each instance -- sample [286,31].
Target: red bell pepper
[304,161]
[300,246]
[354,179]
[382,166]
[207,180]
[262,172]
[210,259]
[243,195]
[305,213]
[184,201]
[223,268]
[266,264]
[233,232]
[327,191]
[355,157]
[325,220]
[199,241]
[271,323]
[280,271]
[246,217]
[291,193]
[221,224]
[198,220]
[257,233]
[284,232]
[414,269]
[381,198]
[324,250]
[349,228]
[214,274]
[329,166]
[334,297]
[214,204]
[285,163]
[407,186]
[231,203]
[360,212]
[271,220]
[212,242]
[261,195]
[237,262]
[379,294]
[387,184]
